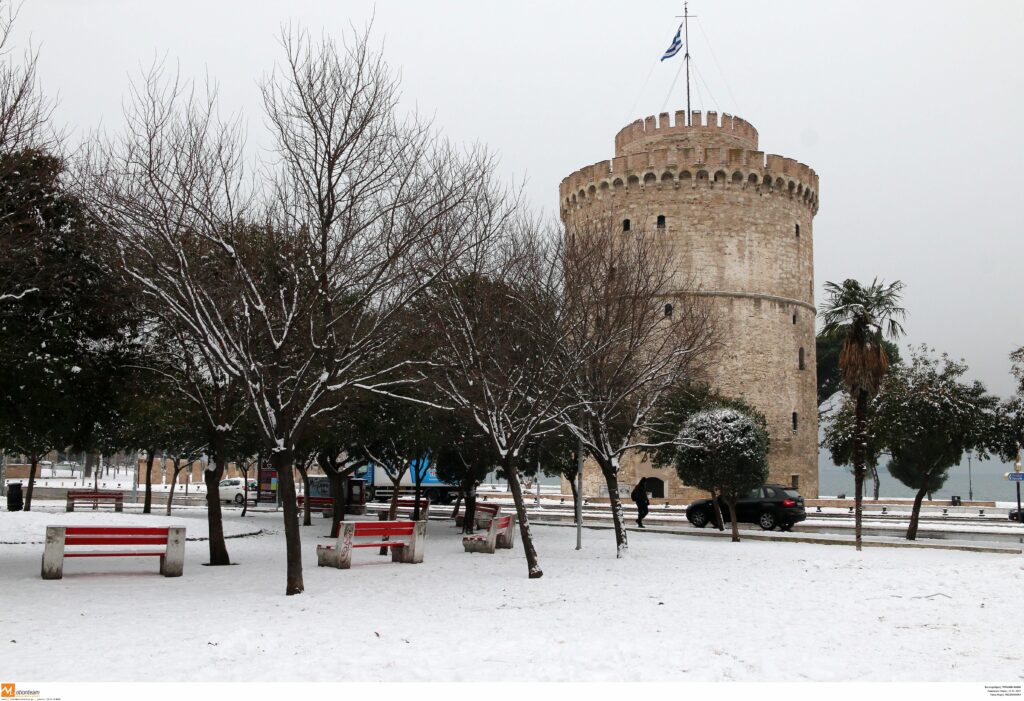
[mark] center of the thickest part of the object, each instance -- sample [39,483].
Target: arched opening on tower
[625,225]
[803,365]
[661,221]
[797,230]
[668,310]
[796,422]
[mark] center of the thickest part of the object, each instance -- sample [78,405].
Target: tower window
[794,318]
[798,231]
[625,225]
[661,221]
[668,310]
[796,420]
[802,364]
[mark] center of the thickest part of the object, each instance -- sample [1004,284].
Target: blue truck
[380,488]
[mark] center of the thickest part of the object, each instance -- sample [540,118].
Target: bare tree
[639,331]
[24,111]
[294,299]
[498,321]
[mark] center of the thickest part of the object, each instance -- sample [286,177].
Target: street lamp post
[970,482]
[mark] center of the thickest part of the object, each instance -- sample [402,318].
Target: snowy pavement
[677,609]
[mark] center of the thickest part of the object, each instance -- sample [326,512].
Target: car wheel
[239,499]
[699,518]
[767,520]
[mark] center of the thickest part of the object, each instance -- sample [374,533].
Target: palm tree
[862,316]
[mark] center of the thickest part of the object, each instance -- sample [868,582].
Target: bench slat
[383,544]
[400,528]
[115,530]
[109,554]
[115,540]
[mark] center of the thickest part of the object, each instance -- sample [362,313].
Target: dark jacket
[639,493]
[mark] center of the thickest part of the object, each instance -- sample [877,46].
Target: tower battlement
[705,130]
[694,166]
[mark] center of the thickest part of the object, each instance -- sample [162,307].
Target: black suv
[768,506]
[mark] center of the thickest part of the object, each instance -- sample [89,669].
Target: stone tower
[739,223]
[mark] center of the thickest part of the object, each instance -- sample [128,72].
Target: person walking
[639,496]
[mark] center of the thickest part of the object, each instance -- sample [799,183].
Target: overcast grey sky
[910,112]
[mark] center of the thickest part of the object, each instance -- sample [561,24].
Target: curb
[790,538]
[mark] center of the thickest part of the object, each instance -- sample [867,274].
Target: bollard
[884,511]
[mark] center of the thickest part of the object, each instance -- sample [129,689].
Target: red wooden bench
[405,538]
[94,496]
[60,538]
[406,506]
[500,534]
[482,515]
[323,505]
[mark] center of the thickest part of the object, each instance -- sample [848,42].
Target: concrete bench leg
[413,552]
[341,556]
[71,504]
[172,564]
[507,539]
[118,505]
[53,554]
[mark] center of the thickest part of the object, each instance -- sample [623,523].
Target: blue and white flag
[677,43]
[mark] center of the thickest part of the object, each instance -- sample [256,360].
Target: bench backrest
[411,503]
[501,523]
[383,528]
[72,494]
[105,535]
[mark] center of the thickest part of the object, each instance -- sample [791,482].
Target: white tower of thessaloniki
[740,224]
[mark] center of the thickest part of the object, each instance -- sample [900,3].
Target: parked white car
[233,489]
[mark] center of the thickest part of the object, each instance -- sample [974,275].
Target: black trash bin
[15,502]
[955,501]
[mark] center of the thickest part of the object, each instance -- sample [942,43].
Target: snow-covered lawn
[676,609]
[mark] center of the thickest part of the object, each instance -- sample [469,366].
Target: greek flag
[677,43]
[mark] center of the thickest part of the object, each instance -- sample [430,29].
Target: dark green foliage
[64,318]
[725,452]
[676,408]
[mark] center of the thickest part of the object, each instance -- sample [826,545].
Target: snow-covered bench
[60,538]
[409,549]
[500,534]
[483,514]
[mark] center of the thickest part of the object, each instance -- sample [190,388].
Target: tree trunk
[282,462]
[245,485]
[337,487]
[307,511]
[214,518]
[469,517]
[417,480]
[735,523]
[915,514]
[393,509]
[719,518]
[34,459]
[174,481]
[532,565]
[458,502]
[877,480]
[859,439]
[147,504]
[611,478]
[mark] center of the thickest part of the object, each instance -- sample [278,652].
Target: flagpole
[686,59]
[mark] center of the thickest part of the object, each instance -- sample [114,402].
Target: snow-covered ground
[677,609]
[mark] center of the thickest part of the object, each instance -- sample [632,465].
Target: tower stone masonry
[740,224]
